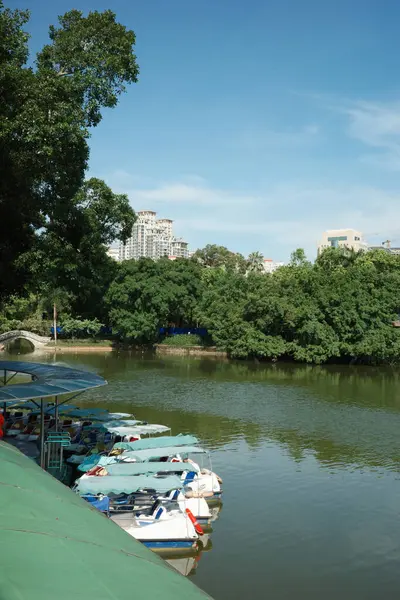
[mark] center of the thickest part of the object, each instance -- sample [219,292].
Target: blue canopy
[49,380]
[121,423]
[92,414]
[126,485]
[51,409]
[158,442]
[90,461]
[145,468]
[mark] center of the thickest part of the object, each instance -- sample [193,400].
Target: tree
[219,256]
[147,295]
[71,255]
[46,114]
[255,263]
[80,327]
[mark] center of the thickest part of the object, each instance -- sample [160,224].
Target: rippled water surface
[310,460]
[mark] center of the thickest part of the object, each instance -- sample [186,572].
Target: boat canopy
[47,381]
[119,415]
[122,423]
[126,484]
[132,468]
[92,414]
[154,453]
[137,429]
[159,442]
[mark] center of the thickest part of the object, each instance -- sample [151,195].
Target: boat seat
[173,495]
[158,512]
[189,477]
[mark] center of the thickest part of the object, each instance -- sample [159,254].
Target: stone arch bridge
[37,341]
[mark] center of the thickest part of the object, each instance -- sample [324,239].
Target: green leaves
[45,116]
[340,308]
[80,327]
[96,54]
[147,295]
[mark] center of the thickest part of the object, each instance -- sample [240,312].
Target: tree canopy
[46,112]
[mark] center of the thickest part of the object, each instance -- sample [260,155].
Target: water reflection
[20,346]
[186,565]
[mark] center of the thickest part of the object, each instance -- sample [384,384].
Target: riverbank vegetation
[55,226]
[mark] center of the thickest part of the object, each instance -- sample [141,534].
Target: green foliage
[24,313]
[339,309]
[147,295]
[255,263]
[45,117]
[183,341]
[80,328]
[219,256]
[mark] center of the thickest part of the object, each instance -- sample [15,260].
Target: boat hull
[170,545]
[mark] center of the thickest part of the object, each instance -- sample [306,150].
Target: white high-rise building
[179,248]
[152,238]
[342,238]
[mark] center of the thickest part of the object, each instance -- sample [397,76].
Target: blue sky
[257,124]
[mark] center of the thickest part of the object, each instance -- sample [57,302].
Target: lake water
[310,461]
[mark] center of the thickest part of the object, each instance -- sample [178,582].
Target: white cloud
[376,125]
[193,190]
[275,220]
[297,214]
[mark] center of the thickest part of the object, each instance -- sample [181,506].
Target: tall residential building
[152,238]
[342,238]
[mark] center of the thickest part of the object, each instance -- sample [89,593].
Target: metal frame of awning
[47,381]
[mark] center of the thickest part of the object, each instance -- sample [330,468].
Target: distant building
[271,265]
[387,246]
[179,248]
[342,238]
[113,253]
[152,238]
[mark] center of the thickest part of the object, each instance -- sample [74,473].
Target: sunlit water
[310,461]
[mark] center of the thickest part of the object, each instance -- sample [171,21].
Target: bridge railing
[20,333]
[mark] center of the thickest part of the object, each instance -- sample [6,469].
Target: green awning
[54,545]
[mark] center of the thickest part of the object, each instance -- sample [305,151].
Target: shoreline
[190,351]
[75,349]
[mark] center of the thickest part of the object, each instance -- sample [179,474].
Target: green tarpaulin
[55,546]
